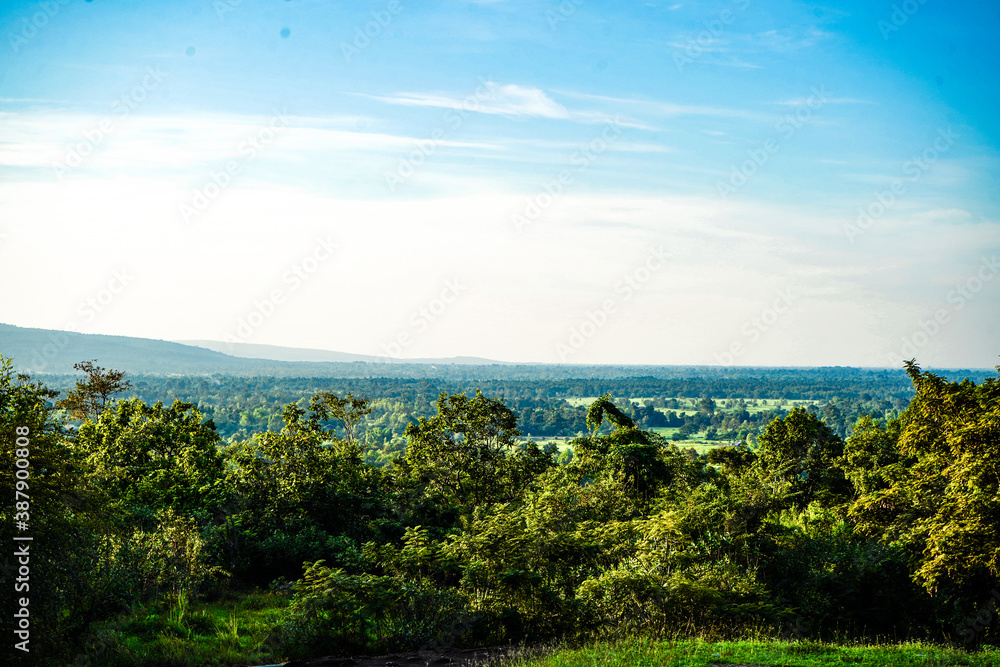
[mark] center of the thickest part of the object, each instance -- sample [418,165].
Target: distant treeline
[243,406]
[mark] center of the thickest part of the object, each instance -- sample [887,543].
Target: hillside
[54,352]
[278,353]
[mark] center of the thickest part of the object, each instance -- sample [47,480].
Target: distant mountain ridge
[53,351]
[47,351]
[278,353]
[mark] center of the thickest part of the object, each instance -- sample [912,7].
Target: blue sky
[733,182]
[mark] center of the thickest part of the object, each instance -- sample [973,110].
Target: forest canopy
[618,531]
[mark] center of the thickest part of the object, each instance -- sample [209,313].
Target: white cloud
[511,100]
[525,290]
[505,100]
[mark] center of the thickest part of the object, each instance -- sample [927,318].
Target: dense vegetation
[684,405]
[142,516]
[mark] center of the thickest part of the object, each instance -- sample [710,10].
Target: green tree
[943,505]
[149,457]
[467,453]
[92,396]
[46,486]
[639,457]
[871,455]
[289,493]
[349,411]
[801,450]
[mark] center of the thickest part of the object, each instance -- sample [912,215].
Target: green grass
[184,633]
[699,653]
[234,630]
[687,406]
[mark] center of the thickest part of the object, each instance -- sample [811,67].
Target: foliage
[937,490]
[91,397]
[335,613]
[466,454]
[801,450]
[145,507]
[145,458]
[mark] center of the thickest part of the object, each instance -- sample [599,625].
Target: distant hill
[45,351]
[51,351]
[54,352]
[276,353]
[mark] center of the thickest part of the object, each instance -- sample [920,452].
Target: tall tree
[349,411]
[94,394]
[48,503]
[150,457]
[801,450]
[944,506]
[464,450]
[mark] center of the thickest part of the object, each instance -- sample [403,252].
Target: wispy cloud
[504,100]
[799,101]
[671,109]
[510,100]
[177,141]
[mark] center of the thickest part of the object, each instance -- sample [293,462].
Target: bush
[333,613]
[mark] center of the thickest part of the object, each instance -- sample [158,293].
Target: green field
[690,405]
[700,446]
[235,629]
[699,653]
[231,630]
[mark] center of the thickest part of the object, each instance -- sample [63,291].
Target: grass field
[235,630]
[690,405]
[699,445]
[225,632]
[687,406]
[698,653]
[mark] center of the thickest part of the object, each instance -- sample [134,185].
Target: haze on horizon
[735,182]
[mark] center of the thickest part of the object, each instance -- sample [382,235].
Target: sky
[732,183]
